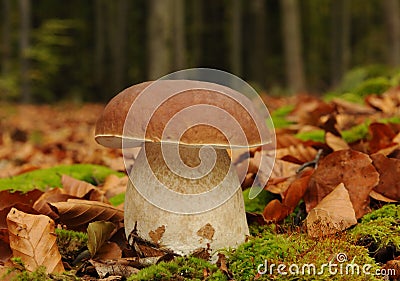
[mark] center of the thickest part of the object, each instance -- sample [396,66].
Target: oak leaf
[32,238]
[333,214]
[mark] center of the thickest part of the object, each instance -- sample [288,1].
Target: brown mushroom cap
[141,112]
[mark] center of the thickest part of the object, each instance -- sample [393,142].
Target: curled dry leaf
[32,238]
[333,214]
[77,214]
[51,196]
[117,267]
[350,167]
[275,211]
[98,233]
[389,180]
[382,136]
[114,185]
[82,189]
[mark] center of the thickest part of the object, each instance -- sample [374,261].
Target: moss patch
[51,177]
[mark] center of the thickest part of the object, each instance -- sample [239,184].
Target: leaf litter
[357,171]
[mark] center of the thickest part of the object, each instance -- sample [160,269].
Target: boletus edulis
[183,193]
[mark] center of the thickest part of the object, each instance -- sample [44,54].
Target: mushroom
[183,193]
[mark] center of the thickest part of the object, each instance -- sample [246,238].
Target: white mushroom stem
[223,226]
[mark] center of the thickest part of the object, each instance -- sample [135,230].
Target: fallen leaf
[350,167]
[114,185]
[51,196]
[275,211]
[333,214]
[77,214]
[109,250]
[32,238]
[380,197]
[118,267]
[299,153]
[335,142]
[98,233]
[82,189]
[389,180]
[297,189]
[381,136]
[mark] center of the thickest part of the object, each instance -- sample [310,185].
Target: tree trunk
[6,39]
[179,34]
[119,44]
[258,38]
[293,45]
[24,44]
[159,37]
[196,38]
[100,44]
[236,37]
[392,19]
[340,52]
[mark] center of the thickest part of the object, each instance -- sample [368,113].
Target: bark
[340,52]
[24,44]
[159,37]
[100,43]
[258,47]
[6,39]
[119,46]
[236,37]
[179,34]
[293,45]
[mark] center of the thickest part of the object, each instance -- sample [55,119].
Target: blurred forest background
[90,50]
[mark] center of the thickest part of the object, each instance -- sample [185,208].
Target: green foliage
[182,268]
[387,211]
[53,41]
[38,275]
[51,177]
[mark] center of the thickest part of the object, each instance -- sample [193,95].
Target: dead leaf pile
[353,161]
[33,137]
[28,223]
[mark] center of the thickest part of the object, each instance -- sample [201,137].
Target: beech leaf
[32,238]
[76,213]
[98,233]
[82,189]
[389,180]
[333,214]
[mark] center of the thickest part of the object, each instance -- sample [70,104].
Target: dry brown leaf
[114,185]
[118,267]
[50,196]
[300,153]
[109,250]
[351,167]
[275,211]
[333,214]
[389,180]
[382,136]
[77,214]
[380,197]
[32,238]
[297,189]
[352,108]
[335,142]
[82,189]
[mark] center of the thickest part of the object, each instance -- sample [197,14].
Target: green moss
[70,243]
[376,85]
[117,199]
[257,204]
[51,177]
[182,268]
[279,116]
[378,229]
[295,250]
[38,275]
[356,133]
[316,135]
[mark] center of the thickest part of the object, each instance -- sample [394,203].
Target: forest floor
[332,198]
